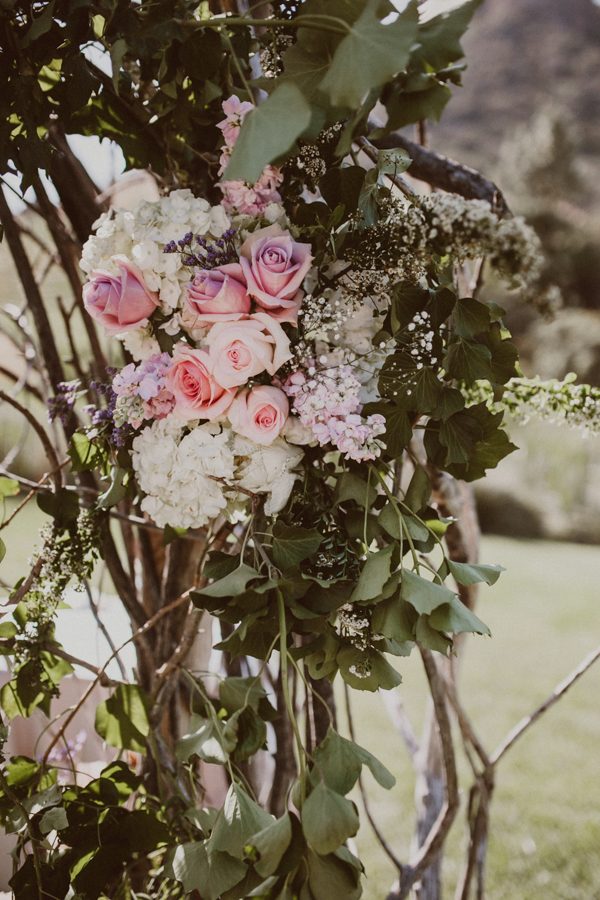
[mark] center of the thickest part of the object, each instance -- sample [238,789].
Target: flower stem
[283,652]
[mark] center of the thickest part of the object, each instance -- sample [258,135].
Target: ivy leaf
[431,638]
[370,55]
[268,132]
[188,864]
[468,361]
[231,585]
[62,505]
[331,877]
[53,820]
[8,487]
[470,317]
[418,491]
[423,595]
[270,844]
[239,819]
[206,741]
[122,720]
[471,573]
[405,107]
[455,618]
[292,544]
[439,38]
[339,763]
[352,487]
[116,490]
[342,185]
[367,670]
[328,819]
[460,434]
[395,619]
[373,576]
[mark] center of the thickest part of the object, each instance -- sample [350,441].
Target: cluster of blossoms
[238,196]
[399,246]
[558,401]
[223,389]
[327,401]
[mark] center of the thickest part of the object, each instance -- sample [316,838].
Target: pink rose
[260,413]
[119,302]
[240,350]
[197,393]
[275,266]
[218,295]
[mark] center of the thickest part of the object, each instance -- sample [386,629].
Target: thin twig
[55,466]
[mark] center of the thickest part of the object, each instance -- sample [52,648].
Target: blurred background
[528,116]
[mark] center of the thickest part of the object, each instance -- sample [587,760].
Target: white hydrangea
[267,470]
[190,479]
[141,235]
[178,474]
[140,342]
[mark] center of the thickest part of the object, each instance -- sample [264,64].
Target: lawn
[545,616]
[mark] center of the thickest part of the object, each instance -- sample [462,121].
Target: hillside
[523,55]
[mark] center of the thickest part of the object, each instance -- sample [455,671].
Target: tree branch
[445,173]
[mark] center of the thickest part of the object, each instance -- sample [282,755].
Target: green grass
[545,616]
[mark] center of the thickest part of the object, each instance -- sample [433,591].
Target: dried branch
[32,293]
[559,691]
[23,385]
[55,465]
[444,173]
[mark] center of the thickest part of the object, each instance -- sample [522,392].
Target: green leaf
[470,317]
[237,822]
[116,490]
[231,585]
[455,618]
[471,573]
[431,638]
[292,544]
[394,619]
[188,864]
[53,820]
[439,38]
[339,762]
[418,491]
[423,595]
[342,185]
[366,670]
[406,107]
[468,361]
[84,454]
[328,819]
[331,878]
[122,720]
[268,132]
[351,486]
[2,550]
[8,487]
[370,55]
[207,741]
[398,430]
[270,844]
[374,574]
[460,434]
[62,505]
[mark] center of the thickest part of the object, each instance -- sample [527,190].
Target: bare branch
[55,465]
[445,173]
[559,691]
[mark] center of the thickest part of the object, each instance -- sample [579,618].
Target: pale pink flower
[218,295]
[119,302]
[259,413]
[198,395]
[240,350]
[275,267]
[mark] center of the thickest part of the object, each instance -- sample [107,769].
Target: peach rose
[218,295]
[260,413]
[240,350]
[275,266]
[119,302]
[197,393]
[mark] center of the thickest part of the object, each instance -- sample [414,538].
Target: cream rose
[198,395]
[240,350]
[260,413]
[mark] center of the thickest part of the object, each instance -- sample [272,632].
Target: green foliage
[122,720]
